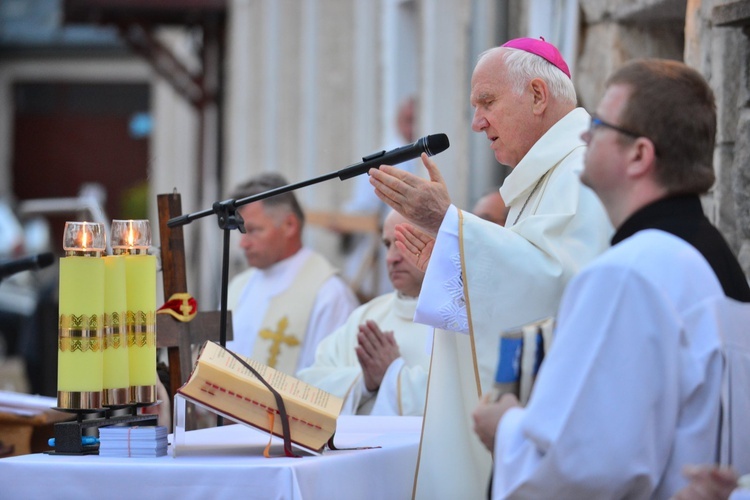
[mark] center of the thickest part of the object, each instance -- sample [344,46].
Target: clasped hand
[375,352]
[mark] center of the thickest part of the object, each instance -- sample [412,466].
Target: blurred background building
[106,103]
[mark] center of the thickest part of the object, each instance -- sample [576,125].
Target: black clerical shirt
[683,217]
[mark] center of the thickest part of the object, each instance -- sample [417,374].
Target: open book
[220,381]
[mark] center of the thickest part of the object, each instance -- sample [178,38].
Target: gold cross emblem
[186,308]
[276,339]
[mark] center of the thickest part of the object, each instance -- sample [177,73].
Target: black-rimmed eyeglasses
[598,122]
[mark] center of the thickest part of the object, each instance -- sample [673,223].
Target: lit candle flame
[131,235]
[84,237]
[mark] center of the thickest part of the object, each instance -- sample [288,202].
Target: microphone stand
[228,219]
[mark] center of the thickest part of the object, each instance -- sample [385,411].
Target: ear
[539,94]
[642,158]
[290,225]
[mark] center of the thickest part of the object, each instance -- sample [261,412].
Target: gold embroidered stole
[284,325]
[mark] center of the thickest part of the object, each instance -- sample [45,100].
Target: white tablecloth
[228,462]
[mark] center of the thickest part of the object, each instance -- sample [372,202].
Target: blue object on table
[85,441]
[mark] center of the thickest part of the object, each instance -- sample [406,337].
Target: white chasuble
[403,388]
[285,301]
[483,279]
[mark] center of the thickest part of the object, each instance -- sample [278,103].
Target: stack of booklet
[132,441]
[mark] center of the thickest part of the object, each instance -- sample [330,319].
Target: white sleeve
[441,302]
[604,383]
[333,305]
[402,391]
[387,402]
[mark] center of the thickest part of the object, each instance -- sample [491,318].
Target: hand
[375,352]
[414,245]
[487,415]
[424,202]
[707,482]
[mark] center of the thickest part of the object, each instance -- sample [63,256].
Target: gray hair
[524,66]
[265,182]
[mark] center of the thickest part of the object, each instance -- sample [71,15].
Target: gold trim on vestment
[465,280]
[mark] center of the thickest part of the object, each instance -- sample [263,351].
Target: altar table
[228,462]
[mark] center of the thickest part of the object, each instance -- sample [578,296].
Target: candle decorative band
[116,356]
[141,328]
[113,328]
[79,335]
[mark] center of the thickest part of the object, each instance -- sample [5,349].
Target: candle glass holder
[132,239]
[80,332]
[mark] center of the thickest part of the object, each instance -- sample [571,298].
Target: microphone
[431,144]
[38,261]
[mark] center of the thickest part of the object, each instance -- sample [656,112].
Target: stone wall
[711,36]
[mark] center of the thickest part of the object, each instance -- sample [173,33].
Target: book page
[288,386]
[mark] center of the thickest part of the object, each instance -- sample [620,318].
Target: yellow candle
[141,300]
[132,239]
[116,380]
[80,334]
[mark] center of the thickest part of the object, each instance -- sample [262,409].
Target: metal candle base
[79,400]
[116,397]
[143,394]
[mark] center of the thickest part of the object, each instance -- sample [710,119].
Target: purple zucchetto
[540,48]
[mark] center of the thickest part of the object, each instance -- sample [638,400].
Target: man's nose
[478,122]
[393,255]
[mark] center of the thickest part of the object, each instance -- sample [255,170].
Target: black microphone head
[45,259]
[434,144]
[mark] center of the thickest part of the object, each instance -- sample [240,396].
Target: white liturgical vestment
[482,279]
[325,304]
[402,391]
[629,392]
